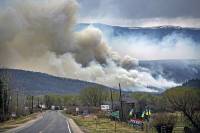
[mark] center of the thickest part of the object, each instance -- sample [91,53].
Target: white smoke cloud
[39,36]
[172,46]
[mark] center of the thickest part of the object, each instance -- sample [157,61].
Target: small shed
[128,103]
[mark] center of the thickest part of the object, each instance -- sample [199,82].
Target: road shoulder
[25,125]
[74,127]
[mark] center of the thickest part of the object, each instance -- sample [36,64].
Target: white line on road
[68,126]
[66,121]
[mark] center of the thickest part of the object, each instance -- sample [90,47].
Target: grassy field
[16,122]
[179,127]
[103,125]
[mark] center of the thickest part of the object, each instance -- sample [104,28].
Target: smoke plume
[40,36]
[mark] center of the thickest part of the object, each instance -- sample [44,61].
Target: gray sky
[185,13]
[135,11]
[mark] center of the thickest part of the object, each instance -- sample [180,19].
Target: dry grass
[16,122]
[103,125]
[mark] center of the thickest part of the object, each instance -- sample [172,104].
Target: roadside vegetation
[103,125]
[13,123]
[177,109]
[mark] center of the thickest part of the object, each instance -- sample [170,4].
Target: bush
[165,120]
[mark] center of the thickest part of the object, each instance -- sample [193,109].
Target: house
[128,103]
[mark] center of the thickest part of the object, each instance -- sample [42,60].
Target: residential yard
[103,125]
[16,122]
[92,124]
[179,127]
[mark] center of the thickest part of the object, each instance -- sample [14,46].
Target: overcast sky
[141,12]
[185,13]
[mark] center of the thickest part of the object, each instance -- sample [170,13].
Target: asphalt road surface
[52,122]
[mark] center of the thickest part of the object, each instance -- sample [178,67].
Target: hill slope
[194,83]
[153,32]
[36,83]
[175,70]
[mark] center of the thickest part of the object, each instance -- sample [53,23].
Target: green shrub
[166,120]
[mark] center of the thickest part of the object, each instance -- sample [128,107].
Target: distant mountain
[180,71]
[155,32]
[36,83]
[175,70]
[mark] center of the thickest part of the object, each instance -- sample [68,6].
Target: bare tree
[186,100]
[93,96]
[4,96]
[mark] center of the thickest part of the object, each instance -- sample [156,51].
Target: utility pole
[17,103]
[8,102]
[3,109]
[111,98]
[31,104]
[121,104]
[38,102]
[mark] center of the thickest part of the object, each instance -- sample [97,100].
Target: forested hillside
[39,83]
[194,83]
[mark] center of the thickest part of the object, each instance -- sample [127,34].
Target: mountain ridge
[158,32]
[145,27]
[175,70]
[38,83]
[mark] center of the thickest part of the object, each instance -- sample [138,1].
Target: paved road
[52,122]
